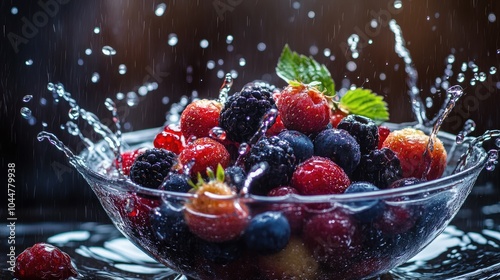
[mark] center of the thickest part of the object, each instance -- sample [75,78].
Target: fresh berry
[176,183]
[295,261]
[204,153]
[170,229]
[267,233]
[333,237]
[303,108]
[319,175]
[340,147]
[280,159]
[214,214]
[261,85]
[276,128]
[282,191]
[45,262]
[383,132]
[302,146]
[199,117]
[151,167]
[128,159]
[379,167]
[410,145]
[363,129]
[221,252]
[235,177]
[171,139]
[366,210]
[336,117]
[405,182]
[243,112]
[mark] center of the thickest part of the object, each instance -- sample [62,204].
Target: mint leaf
[293,66]
[365,103]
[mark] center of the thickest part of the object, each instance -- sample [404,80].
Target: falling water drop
[74,113]
[122,69]
[497,142]
[218,133]
[160,9]
[493,70]
[29,62]
[95,77]
[469,127]
[108,51]
[204,44]
[242,62]
[172,39]
[97,30]
[482,77]
[26,112]
[229,39]
[27,98]
[450,59]
[460,77]
[132,99]
[72,128]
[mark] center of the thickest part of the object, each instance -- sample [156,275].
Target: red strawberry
[171,139]
[215,215]
[318,175]
[383,132]
[128,159]
[410,145]
[303,108]
[336,117]
[200,117]
[204,153]
[276,128]
[44,261]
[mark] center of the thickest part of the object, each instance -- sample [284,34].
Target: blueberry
[235,176]
[177,183]
[302,146]
[340,147]
[368,209]
[363,129]
[221,253]
[267,233]
[168,223]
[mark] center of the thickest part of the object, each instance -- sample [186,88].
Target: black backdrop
[49,190]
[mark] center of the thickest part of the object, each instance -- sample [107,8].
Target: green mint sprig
[366,103]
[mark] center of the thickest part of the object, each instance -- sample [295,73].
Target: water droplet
[493,70]
[242,62]
[44,124]
[80,61]
[243,148]
[88,51]
[108,51]
[460,138]
[132,99]
[398,4]
[122,69]
[261,46]
[497,142]
[165,100]
[210,64]
[382,76]
[143,90]
[110,105]
[97,30]
[173,40]
[27,98]
[327,52]
[218,133]
[498,51]
[229,39]
[50,86]
[26,112]
[160,9]
[460,77]
[473,82]
[204,44]
[313,50]
[234,74]
[373,23]
[95,77]
[450,59]
[74,113]
[492,17]
[473,67]
[14,10]
[29,62]
[482,77]
[429,102]
[220,74]
[351,66]
[311,14]
[492,160]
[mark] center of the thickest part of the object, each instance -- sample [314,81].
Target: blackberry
[339,146]
[379,167]
[150,168]
[281,163]
[363,129]
[243,112]
[259,84]
[302,146]
[235,177]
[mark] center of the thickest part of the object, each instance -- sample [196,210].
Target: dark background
[47,189]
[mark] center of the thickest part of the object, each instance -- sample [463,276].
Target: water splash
[492,158]
[225,88]
[469,127]
[27,98]
[352,42]
[26,112]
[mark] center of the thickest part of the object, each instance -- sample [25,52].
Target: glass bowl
[347,236]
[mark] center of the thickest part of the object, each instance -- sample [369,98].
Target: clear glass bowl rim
[434,186]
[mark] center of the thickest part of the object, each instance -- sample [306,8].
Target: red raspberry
[171,139]
[294,212]
[303,108]
[396,220]
[337,116]
[383,132]
[128,159]
[318,175]
[276,128]
[200,117]
[206,153]
[44,261]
